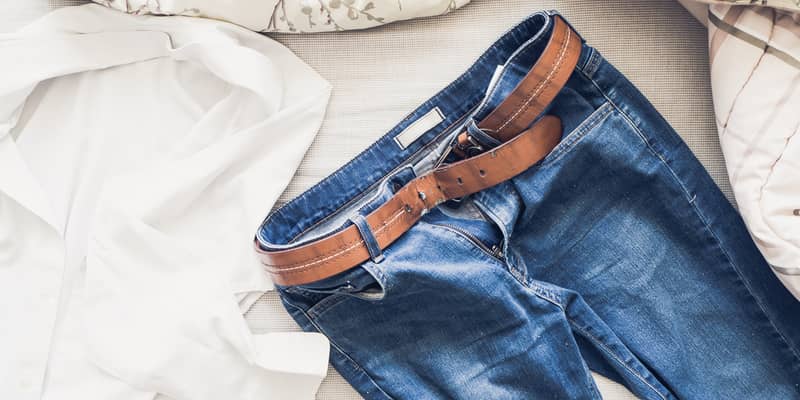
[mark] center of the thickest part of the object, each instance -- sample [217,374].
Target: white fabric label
[419,127]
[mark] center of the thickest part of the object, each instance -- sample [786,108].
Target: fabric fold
[153,146]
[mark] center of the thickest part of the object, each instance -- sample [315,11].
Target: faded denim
[616,254]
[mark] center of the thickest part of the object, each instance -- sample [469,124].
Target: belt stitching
[500,43]
[548,80]
[293,268]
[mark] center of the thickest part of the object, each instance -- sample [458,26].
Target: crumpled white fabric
[138,156]
[293,16]
[755,77]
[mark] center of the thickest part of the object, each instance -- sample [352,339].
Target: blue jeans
[617,254]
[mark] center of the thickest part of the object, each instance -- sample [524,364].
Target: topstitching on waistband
[456,102]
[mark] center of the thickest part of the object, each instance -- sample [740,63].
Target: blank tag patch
[419,127]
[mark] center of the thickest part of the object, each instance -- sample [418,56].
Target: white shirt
[138,156]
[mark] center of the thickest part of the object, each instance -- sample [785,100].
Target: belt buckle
[470,143]
[475,140]
[470,148]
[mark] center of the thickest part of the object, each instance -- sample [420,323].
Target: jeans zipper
[494,251]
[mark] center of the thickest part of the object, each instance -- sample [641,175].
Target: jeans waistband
[471,96]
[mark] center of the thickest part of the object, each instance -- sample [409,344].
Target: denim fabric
[616,254]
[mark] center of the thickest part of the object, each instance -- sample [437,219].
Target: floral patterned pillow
[295,16]
[791,5]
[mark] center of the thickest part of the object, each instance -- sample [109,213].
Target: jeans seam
[463,238]
[592,64]
[356,197]
[700,216]
[467,242]
[430,102]
[499,44]
[758,302]
[548,81]
[320,307]
[509,259]
[608,351]
[553,299]
[573,138]
[641,135]
[333,344]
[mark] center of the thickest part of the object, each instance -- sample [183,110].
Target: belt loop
[364,229]
[484,139]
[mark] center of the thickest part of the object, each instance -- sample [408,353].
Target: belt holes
[482,173]
[460,181]
[408,208]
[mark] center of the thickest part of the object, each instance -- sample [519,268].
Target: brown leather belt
[346,249]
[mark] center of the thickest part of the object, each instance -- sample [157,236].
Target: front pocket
[572,138]
[362,282]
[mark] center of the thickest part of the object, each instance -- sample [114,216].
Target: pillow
[789,5]
[295,16]
[755,79]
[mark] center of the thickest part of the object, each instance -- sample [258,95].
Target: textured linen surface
[380,75]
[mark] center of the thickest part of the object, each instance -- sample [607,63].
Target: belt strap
[346,249]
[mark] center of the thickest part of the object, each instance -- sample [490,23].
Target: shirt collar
[37,54]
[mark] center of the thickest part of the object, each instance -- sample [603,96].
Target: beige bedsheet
[380,75]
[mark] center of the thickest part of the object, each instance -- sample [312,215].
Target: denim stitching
[319,309]
[344,249]
[746,285]
[586,127]
[592,65]
[544,84]
[467,242]
[501,43]
[642,136]
[381,276]
[554,299]
[515,56]
[546,294]
[498,222]
[707,227]
[612,354]
[358,196]
[333,344]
